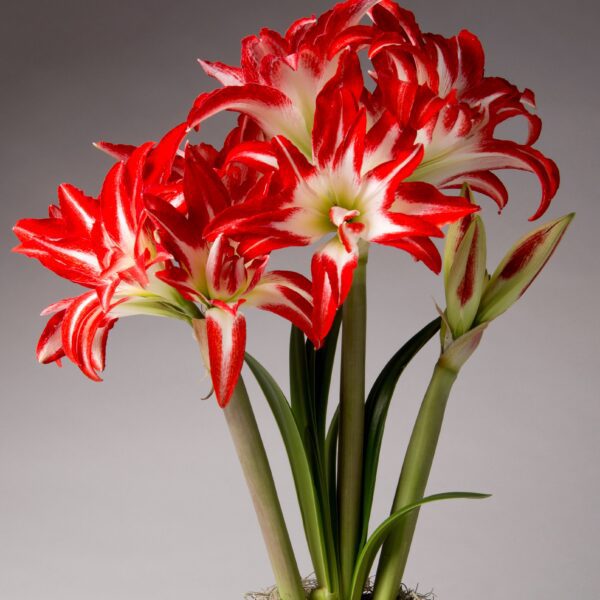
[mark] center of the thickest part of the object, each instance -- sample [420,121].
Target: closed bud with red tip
[520,267]
[464,271]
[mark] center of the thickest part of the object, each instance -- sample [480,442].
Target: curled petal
[353,37]
[496,154]
[84,332]
[426,202]
[49,348]
[271,108]
[483,182]
[421,248]
[255,154]
[286,294]
[388,16]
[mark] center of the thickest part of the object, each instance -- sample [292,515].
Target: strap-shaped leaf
[300,465]
[331,444]
[323,360]
[376,410]
[369,551]
[310,377]
[301,389]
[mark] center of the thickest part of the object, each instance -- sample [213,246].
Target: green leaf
[376,409]
[301,388]
[301,470]
[323,367]
[369,551]
[331,444]
[310,377]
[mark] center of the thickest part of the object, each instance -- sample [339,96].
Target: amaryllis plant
[333,156]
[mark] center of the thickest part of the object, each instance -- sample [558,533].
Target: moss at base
[310,584]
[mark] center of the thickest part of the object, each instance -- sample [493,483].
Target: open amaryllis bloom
[434,87]
[326,156]
[220,275]
[355,188]
[281,76]
[437,87]
[161,265]
[104,244]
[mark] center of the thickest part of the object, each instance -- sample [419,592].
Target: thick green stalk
[255,465]
[351,424]
[413,480]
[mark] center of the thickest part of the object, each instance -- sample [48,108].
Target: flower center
[339,215]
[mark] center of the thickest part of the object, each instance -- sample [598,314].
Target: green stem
[413,480]
[255,465]
[351,424]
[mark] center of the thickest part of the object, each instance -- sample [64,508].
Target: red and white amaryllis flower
[437,87]
[281,76]
[140,250]
[103,244]
[221,276]
[355,189]
[434,86]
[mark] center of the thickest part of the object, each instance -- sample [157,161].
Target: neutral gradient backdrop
[130,489]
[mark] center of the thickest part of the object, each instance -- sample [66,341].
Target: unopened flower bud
[466,279]
[456,232]
[520,267]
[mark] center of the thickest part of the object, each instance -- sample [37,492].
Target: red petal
[226,340]
[223,73]
[255,154]
[483,182]
[160,159]
[84,331]
[426,202]
[175,231]
[77,209]
[286,294]
[421,248]
[118,151]
[332,270]
[49,348]
[252,99]
[205,194]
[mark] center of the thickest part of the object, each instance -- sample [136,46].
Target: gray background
[130,490]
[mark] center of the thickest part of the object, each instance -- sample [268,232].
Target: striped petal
[84,333]
[223,73]
[271,108]
[286,294]
[49,348]
[72,258]
[332,270]
[497,154]
[222,337]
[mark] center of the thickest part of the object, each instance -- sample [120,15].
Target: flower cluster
[321,153]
